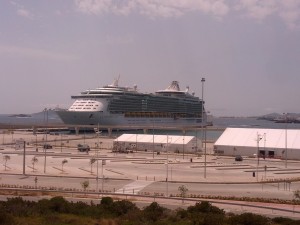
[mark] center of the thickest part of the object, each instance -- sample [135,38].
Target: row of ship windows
[86,105]
[82,108]
[86,101]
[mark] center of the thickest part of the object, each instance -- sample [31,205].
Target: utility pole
[202,123]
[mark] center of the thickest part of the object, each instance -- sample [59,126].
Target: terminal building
[267,143]
[157,143]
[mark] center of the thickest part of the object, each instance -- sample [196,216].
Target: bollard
[146,177]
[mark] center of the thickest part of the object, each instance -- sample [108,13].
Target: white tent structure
[273,143]
[157,143]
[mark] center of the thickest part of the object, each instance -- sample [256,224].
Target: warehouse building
[158,143]
[267,143]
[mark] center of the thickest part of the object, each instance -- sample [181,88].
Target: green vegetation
[6,158]
[34,160]
[58,211]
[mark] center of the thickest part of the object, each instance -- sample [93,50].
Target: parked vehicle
[238,158]
[83,148]
[47,146]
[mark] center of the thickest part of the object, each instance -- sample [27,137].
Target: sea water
[211,134]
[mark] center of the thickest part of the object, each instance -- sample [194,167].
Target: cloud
[257,9]
[291,13]
[287,10]
[24,13]
[21,11]
[152,8]
[16,51]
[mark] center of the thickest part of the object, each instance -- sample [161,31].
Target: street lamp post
[103,163]
[202,124]
[167,167]
[258,140]
[61,142]
[46,131]
[36,147]
[183,147]
[285,140]
[153,140]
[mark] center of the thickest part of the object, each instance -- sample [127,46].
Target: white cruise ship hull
[97,118]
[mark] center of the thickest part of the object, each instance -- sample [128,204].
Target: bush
[6,218]
[205,207]
[123,207]
[249,219]
[59,204]
[285,221]
[18,207]
[106,201]
[153,212]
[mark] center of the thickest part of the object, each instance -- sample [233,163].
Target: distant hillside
[276,117]
[34,118]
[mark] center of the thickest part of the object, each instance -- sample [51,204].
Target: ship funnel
[174,86]
[187,89]
[115,82]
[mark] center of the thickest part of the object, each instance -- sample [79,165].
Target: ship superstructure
[116,105]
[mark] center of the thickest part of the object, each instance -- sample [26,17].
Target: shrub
[107,201]
[205,207]
[6,218]
[123,207]
[153,212]
[59,204]
[249,219]
[285,221]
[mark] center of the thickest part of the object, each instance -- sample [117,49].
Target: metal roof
[269,138]
[148,138]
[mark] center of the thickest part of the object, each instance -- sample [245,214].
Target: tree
[297,194]
[205,213]
[6,158]
[153,212]
[248,219]
[85,184]
[183,190]
[63,163]
[92,161]
[34,160]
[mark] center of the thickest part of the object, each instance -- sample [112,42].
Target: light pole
[36,147]
[202,123]
[167,167]
[153,140]
[285,139]
[258,140]
[183,147]
[136,142]
[103,163]
[46,131]
[61,142]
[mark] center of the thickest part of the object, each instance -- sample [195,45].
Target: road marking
[134,187]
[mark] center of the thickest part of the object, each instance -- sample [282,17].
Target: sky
[248,51]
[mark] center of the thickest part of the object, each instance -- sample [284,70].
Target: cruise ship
[114,105]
